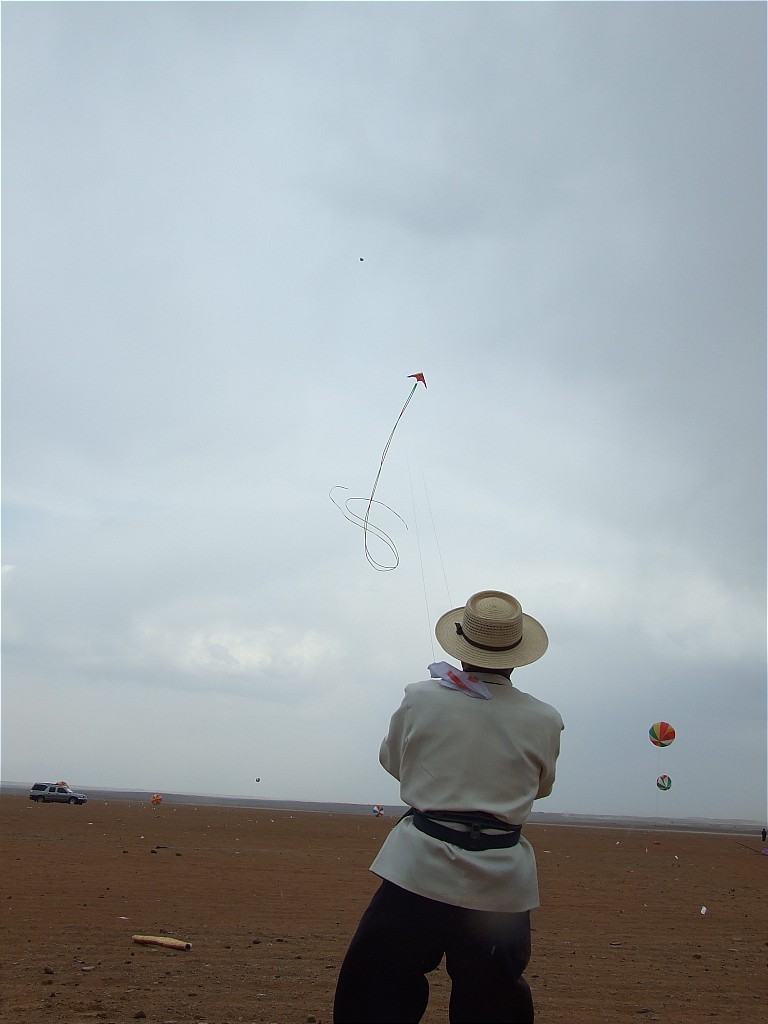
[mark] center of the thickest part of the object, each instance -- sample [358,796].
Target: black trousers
[402,937]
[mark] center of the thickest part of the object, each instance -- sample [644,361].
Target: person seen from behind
[471,753]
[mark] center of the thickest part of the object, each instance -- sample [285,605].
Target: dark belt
[473,839]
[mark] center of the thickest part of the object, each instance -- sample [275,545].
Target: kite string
[434,531]
[421,560]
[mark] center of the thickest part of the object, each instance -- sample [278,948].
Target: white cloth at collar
[453,679]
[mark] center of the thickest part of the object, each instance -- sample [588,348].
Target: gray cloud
[559,209]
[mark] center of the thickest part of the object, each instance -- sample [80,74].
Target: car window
[51,789]
[62,790]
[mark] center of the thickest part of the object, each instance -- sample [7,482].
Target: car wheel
[72,800]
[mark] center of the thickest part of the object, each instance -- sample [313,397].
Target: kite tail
[368,527]
[366,523]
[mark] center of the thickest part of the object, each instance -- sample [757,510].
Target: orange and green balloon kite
[661,734]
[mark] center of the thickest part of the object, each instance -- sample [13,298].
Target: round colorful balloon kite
[378,810]
[661,734]
[156,799]
[664,782]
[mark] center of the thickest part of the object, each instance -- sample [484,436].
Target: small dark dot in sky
[361,259]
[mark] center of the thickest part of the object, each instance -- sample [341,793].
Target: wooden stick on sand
[162,940]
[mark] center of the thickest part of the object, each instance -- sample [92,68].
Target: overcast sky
[231,231]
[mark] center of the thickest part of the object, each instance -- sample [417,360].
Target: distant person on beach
[471,753]
[765,835]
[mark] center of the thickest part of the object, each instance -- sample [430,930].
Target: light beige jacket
[459,753]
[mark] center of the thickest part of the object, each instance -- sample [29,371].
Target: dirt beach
[268,900]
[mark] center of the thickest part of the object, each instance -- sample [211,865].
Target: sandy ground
[269,900]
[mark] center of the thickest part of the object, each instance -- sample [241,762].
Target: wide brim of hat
[530,649]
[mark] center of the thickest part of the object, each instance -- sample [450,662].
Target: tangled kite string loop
[368,527]
[364,521]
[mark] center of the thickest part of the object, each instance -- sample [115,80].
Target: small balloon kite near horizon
[378,810]
[364,522]
[661,734]
[664,782]
[156,799]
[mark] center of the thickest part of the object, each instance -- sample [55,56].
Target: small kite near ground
[378,810]
[364,522]
[664,782]
[661,734]
[156,799]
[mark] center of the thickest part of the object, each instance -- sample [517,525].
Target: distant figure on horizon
[471,753]
[765,835]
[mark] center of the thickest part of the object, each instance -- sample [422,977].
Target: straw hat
[491,631]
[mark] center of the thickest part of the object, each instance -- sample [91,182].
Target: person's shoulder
[423,693]
[421,688]
[539,707]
